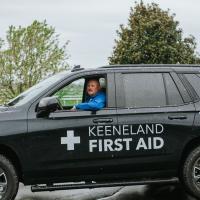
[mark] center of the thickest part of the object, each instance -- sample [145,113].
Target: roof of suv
[175,67]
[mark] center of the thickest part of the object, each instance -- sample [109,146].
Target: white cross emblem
[70,140]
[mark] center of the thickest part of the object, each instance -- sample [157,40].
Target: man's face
[93,87]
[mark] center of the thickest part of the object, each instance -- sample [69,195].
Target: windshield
[32,92]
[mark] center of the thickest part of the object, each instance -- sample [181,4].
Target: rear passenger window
[194,80]
[172,94]
[144,90]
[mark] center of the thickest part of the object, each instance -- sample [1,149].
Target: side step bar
[53,187]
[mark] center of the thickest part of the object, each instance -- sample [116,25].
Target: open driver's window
[75,92]
[71,94]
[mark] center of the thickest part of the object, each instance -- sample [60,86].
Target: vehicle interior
[75,92]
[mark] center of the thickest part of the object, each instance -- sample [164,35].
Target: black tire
[190,173]
[9,176]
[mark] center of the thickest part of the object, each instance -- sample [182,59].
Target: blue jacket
[96,102]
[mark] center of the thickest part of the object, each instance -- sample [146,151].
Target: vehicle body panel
[44,159]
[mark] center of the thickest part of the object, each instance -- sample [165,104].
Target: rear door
[155,116]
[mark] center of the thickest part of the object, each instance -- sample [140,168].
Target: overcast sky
[91,25]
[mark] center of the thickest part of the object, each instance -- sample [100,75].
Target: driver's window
[71,94]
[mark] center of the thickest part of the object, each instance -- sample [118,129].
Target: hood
[6,108]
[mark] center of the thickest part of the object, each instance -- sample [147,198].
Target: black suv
[149,131]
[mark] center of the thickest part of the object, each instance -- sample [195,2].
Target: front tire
[191,173]
[9,182]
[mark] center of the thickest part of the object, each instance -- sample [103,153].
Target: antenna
[76,68]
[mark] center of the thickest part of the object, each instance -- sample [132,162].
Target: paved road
[162,192]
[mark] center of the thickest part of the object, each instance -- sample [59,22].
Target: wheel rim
[3,183]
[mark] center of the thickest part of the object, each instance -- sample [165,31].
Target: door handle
[103,120]
[177,117]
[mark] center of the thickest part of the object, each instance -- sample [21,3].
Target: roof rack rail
[151,65]
[76,68]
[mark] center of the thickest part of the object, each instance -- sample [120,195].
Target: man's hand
[74,108]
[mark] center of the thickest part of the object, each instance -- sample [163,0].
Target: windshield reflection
[32,92]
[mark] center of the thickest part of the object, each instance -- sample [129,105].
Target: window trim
[165,88]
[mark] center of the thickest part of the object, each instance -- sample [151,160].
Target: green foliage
[28,55]
[71,94]
[152,36]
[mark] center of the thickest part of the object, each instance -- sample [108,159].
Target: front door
[64,144]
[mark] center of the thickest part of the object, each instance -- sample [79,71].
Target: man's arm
[96,104]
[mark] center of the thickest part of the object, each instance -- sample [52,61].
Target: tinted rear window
[144,90]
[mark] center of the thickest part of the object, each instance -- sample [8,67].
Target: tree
[28,55]
[152,36]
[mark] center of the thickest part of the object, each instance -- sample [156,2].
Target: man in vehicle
[95,99]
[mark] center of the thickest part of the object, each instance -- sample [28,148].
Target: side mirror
[47,105]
